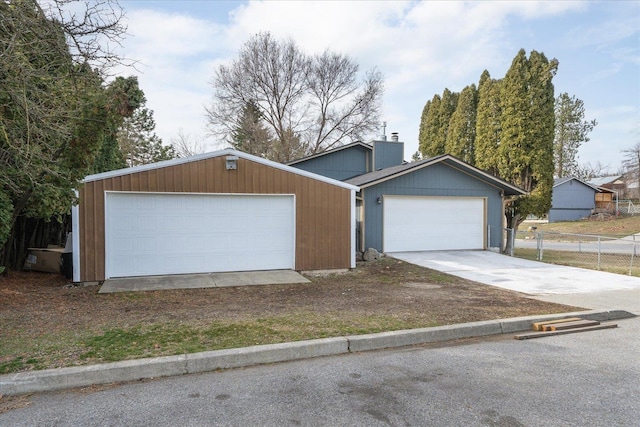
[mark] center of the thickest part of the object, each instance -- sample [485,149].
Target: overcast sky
[420,47]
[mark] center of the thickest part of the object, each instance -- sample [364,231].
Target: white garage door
[155,234]
[432,223]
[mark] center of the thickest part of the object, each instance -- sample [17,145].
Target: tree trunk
[513,221]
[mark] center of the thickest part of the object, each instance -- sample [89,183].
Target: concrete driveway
[530,277]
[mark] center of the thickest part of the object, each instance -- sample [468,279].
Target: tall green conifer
[461,135]
[422,133]
[447,108]
[570,132]
[488,124]
[525,153]
[428,146]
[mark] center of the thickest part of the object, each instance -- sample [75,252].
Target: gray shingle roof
[386,172]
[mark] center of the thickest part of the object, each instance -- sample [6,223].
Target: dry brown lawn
[46,322]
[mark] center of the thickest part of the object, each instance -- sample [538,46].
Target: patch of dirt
[9,403]
[36,306]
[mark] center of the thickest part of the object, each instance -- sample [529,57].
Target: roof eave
[497,182]
[333,150]
[213,154]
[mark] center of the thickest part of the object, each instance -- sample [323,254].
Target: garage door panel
[152,234]
[433,223]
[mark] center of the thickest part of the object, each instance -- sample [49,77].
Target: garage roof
[376,177]
[225,152]
[560,181]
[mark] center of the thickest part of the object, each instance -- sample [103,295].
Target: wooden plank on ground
[537,326]
[570,325]
[530,335]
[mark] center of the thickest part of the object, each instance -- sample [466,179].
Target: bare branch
[309,104]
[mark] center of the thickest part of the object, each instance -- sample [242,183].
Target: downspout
[75,239]
[353,228]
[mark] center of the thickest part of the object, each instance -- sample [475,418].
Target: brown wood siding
[323,212]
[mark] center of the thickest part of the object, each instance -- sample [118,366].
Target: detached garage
[440,203]
[217,212]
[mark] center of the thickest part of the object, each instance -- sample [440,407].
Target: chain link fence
[578,250]
[628,207]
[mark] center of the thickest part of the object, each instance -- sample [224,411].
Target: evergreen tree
[434,124]
[428,143]
[525,152]
[109,157]
[570,132]
[54,109]
[422,134]
[488,124]
[123,98]
[447,108]
[137,141]
[461,135]
[250,133]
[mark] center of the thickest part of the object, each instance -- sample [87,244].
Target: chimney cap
[394,136]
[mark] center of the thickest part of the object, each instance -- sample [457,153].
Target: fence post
[633,253]
[513,241]
[540,238]
[598,252]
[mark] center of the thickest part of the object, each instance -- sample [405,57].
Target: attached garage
[415,223]
[440,203]
[217,212]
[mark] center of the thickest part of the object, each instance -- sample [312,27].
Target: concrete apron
[208,280]
[521,275]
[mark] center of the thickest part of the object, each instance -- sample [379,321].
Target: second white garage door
[156,234]
[433,223]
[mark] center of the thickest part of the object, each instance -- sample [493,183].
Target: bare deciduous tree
[186,146]
[631,164]
[588,171]
[309,104]
[91,28]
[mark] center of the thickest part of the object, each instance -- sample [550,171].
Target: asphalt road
[584,379]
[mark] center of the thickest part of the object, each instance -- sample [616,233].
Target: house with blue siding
[440,203]
[353,159]
[572,199]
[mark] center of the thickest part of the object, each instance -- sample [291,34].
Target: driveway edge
[155,367]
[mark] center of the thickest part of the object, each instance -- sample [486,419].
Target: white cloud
[421,48]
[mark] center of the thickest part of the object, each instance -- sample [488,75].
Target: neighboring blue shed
[572,199]
[441,203]
[353,159]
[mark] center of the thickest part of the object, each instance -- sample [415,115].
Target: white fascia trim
[225,152]
[75,240]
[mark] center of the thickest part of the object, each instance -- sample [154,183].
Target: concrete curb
[131,370]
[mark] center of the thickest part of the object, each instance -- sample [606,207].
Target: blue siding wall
[571,201]
[435,180]
[387,154]
[556,215]
[340,165]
